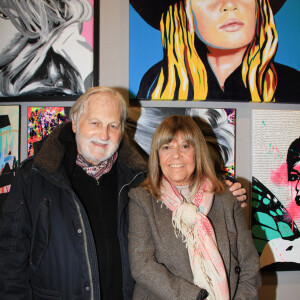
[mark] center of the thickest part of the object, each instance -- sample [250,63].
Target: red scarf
[96,171]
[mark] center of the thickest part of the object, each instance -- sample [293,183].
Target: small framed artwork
[48,49]
[217,125]
[9,147]
[42,121]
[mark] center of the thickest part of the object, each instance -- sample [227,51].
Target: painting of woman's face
[224,24]
[294,180]
[10,38]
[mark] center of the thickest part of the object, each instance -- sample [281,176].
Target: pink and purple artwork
[42,121]
[276,188]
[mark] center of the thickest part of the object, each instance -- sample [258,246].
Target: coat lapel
[218,221]
[177,250]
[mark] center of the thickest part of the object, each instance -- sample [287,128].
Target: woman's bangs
[187,134]
[166,137]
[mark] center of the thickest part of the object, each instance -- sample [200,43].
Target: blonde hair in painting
[258,71]
[184,64]
[185,67]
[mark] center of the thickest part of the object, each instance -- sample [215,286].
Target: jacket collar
[50,152]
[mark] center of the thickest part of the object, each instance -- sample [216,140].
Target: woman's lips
[176,166]
[232,25]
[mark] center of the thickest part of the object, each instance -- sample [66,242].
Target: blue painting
[251,53]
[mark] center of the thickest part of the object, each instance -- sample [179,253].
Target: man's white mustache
[100,142]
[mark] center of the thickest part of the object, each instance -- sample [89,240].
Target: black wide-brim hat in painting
[151,10]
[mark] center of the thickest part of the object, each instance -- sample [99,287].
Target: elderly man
[65,224]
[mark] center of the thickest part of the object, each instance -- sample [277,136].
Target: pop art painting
[276,188]
[42,121]
[217,125]
[214,50]
[47,47]
[9,147]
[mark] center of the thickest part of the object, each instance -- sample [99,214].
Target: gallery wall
[113,67]
[114,72]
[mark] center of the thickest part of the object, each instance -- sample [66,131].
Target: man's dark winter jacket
[47,250]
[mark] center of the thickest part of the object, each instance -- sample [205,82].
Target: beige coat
[159,260]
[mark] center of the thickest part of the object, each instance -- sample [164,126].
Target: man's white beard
[84,150]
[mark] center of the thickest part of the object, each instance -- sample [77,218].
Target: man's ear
[73,126]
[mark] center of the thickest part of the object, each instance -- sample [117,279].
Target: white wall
[114,55]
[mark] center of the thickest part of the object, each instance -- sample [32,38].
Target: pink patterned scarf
[190,220]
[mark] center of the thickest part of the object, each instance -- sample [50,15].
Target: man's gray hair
[79,106]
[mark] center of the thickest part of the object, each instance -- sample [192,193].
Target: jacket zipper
[85,250]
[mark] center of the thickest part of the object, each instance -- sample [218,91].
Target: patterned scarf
[96,171]
[190,220]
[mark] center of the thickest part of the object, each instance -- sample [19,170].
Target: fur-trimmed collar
[50,151]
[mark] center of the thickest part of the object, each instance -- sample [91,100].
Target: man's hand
[238,191]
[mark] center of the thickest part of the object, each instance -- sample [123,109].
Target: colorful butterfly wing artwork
[270,218]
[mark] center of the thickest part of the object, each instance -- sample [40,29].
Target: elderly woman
[188,238]
[217,50]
